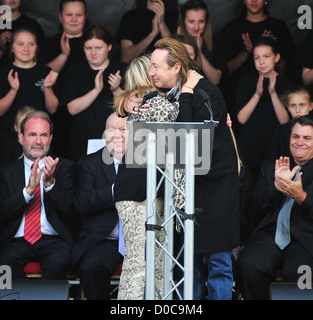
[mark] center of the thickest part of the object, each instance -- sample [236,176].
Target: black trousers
[52,252]
[96,267]
[260,260]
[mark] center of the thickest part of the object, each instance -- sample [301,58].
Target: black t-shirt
[22,22]
[137,24]
[51,48]
[232,43]
[90,123]
[256,134]
[30,93]
[305,55]
[217,59]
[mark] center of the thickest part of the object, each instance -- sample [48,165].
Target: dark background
[108,13]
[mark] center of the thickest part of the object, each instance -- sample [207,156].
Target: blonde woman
[130,184]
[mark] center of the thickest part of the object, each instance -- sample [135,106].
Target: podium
[163,147]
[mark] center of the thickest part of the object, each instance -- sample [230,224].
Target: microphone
[207,101]
[204,95]
[149,96]
[146,97]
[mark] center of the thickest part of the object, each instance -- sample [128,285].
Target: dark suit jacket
[58,201]
[266,202]
[94,201]
[216,193]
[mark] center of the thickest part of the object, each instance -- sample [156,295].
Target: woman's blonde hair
[137,81]
[137,74]
[21,113]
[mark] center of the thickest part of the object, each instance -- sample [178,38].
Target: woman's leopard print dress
[133,217]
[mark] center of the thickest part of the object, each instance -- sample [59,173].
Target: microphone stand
[208,105]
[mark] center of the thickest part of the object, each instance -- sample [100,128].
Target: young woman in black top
[194,20]
[260,110]
[18,20]
[89,89]
[66,46]
[237,39]
[23,82]
[61,51]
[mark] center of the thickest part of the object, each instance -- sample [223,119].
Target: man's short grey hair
[37,114]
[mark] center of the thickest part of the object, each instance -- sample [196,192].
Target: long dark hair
[207,33]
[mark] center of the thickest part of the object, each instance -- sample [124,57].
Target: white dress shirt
[46,227]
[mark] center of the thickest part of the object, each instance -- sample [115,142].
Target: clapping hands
[284,179]
[271,85]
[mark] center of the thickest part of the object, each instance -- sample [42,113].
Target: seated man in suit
[96,251]
[36,194]
[274,245]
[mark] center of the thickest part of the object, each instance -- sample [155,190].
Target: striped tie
[32,229]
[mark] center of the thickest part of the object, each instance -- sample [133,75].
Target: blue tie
[121,243]
[282,235]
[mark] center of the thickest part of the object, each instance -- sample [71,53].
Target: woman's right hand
[13,80]
[99,81]
[155,26]
[133,103]
[193,77]
[259,86]
[65,44]
[159,10]
[247,42]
